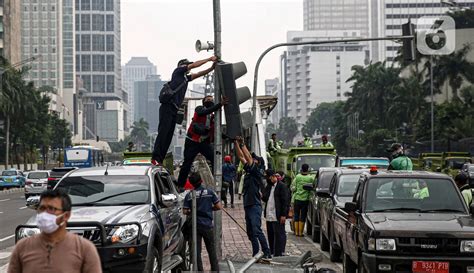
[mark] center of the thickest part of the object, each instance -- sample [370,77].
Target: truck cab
[402,221]
[452,162]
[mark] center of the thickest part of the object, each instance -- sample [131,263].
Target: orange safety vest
[208,122]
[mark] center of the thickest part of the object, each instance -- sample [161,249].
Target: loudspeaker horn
[204,46]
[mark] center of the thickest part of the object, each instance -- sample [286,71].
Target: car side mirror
[168,200]
[33,202]
[350,207]
[308,187]
[323,194]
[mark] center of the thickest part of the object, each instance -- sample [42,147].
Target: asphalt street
[13,212]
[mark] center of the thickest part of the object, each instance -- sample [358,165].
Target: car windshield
[365,162]
[107,189]
[413,194]
[324,179]
[347,184]
[38,175]
[58,173]
[8,173]
[316,161]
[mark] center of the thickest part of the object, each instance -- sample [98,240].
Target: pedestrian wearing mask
[200,136]
[229,172]
[277,201]
[170,104]
[54,249]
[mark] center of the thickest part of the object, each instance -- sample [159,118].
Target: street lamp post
[257,66]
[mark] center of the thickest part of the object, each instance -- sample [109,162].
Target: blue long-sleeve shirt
[229,172]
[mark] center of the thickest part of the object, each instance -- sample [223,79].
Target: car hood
[421,224]
[106,214]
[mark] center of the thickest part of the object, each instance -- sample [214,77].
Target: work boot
[225,206]
[232,206]
[296,228]
[301,230]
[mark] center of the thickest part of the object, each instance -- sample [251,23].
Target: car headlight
[28,232]
[382,244]
[467,246]
[125,234]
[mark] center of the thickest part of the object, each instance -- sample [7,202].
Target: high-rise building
[147,103]
[273,88]
[10,30]
[137,69]
[392,14]
[336,15]
[97,44]
[313,74]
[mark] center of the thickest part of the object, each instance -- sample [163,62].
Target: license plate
[38,184]
[9,180]
[430,267]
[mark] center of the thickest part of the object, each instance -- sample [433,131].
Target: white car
[36,183]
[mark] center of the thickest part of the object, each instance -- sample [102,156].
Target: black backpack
[167,94]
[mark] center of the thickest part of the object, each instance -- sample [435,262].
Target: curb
[14,190]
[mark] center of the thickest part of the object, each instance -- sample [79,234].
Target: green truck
[143,159]
[290,160]
[452,162]
[428,161]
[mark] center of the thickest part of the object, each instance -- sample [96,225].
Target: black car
[321,183]
[402,221]
[56,174]
[341,190]
[131,213]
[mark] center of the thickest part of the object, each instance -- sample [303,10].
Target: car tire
[361,267]
[27,196]
[323,241]
[348,265]
[334,253]
[153,261]
[309,225]
[315,233]
[185,254]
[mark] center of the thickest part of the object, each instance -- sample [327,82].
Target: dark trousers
[300,211]
[191,150]
[229,189]
[166,126]
[253,222]
[276,238]
[208,235]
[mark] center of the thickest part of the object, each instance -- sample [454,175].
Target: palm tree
[140,132]
[454,69]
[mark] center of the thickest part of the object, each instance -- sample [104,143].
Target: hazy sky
[166,31]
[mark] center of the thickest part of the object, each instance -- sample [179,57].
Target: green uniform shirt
[299,193]
[467,194]
[401,163]
[424,193]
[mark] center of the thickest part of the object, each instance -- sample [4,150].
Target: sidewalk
[237,248]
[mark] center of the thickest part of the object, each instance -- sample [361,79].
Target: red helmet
[227,158]
[324,137]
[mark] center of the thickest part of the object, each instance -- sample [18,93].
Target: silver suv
[36,183]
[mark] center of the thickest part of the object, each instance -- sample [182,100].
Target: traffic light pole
[257,66]
[217,128]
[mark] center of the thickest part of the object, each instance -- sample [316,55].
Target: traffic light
[227,74]
[408,29]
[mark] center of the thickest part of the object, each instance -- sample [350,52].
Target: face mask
[208,104]
[46,222]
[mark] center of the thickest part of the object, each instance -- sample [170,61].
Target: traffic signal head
[408,29]
[227,74]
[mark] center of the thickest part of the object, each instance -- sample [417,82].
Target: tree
[139,132]
[454,69]
[321,118]
[288,129]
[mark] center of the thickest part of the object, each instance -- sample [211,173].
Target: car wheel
[334,253]
[361,267]
[309,225]
[185,254]
[315,233]
[348,265]
[153,261]
[323,241]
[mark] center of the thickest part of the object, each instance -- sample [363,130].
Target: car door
[352,224]
[168,210]
[177,217]
[326,209]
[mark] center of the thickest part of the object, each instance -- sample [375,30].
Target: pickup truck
[132,214]
[341,189]
[402,221]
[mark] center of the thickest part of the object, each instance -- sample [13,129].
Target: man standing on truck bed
[400,162]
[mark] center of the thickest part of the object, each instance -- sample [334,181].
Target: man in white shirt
[277,203]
